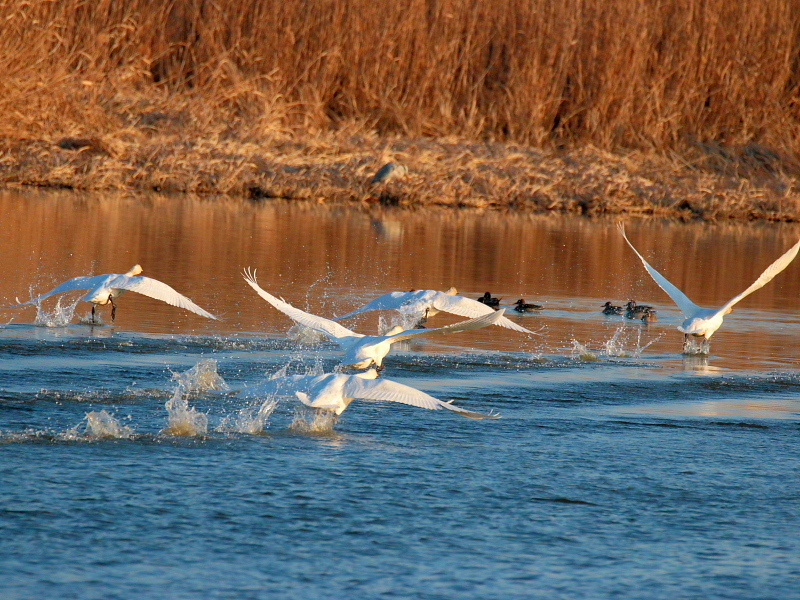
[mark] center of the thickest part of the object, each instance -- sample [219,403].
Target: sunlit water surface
[131,467]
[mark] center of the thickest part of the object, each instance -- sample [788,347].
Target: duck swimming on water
[488,300]
[521,306]
[636,311]
[610,309]
[650,317]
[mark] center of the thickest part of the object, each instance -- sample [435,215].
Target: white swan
[362,351]
[103,289]
[335,391]
[703,322]
[422,304]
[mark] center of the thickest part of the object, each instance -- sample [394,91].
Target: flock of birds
[333,392]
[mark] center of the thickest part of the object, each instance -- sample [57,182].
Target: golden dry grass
[682,107]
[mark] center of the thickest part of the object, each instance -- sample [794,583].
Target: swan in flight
[103,289]
[335,391]
[703,322]
[422,304]
[362,351]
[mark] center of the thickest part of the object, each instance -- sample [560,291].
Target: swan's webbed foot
[113,308]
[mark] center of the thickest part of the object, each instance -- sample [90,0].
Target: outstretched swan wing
[467,307]
[477,323]
[392,300]
[159,290]
[767,276]
[76,283]
[384,389]
[324,326]
[688,308]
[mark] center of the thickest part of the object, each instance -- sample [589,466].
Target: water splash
[314,421]
[202,377]
[404,320]
[304,335]
[59,317]
[251,419]
[182,418]
[693,347]
[91,319]
[581,352]
[624,342]
[99,425]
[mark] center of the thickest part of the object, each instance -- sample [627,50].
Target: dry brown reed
[303,99]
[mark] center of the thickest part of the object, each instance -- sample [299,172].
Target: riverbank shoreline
[710,183]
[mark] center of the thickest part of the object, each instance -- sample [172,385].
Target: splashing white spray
[60,317]
[185,419]
[101,424]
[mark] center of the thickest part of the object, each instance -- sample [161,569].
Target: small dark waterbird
[521,306]
[489,300]
[636,311]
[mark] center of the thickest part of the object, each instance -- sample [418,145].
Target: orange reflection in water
[331,259]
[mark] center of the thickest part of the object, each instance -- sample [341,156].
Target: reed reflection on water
[329,260]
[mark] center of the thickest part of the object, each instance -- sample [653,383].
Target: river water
[132,467]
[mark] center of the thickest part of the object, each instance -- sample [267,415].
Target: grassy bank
[687,108]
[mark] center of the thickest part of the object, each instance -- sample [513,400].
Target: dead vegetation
[683,108]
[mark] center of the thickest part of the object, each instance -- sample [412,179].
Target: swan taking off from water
[105,288]
[335,391]
[362,351]
[422,304]
[703,322]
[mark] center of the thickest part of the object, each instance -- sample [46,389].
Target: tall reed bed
[646,74]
